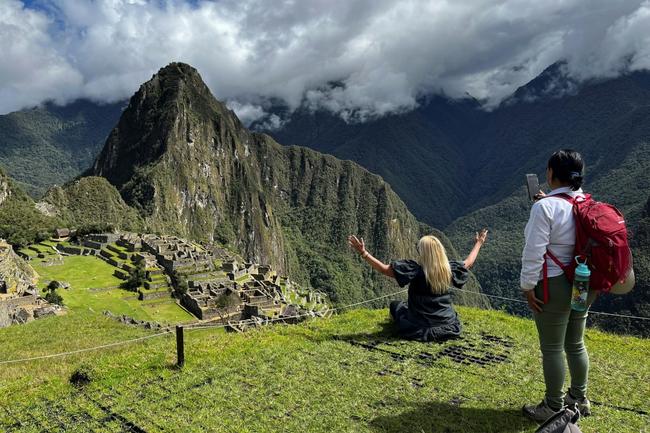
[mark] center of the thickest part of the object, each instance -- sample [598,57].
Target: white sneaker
[539,413]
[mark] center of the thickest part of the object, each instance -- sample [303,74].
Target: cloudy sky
[359,58]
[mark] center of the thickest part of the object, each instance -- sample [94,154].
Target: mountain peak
[179,69]
[163,113]
[177,75]
[175,81]
[554,82]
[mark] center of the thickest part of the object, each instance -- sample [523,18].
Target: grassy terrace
[86,272]
[346,374]
[211,276]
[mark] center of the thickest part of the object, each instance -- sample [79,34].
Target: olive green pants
[561,332]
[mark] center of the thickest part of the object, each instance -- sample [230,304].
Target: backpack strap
[548,254]
[563,195]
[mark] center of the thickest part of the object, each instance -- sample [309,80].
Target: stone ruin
[221,287]
[22,309]
[258,299]
[175,254]
[19,297]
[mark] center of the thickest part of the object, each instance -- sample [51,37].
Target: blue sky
[384,54]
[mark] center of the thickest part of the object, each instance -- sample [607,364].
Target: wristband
[365,254]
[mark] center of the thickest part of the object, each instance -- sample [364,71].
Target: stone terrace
[219,285]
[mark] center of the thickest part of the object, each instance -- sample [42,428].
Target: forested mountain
[420,153]
[449,158]
[50,144]
[21,223]
[480,181]
[91,204]
[189,166]
[454,164]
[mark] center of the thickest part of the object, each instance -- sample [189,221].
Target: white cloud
[247,113]
[624,46]
[31,69]
[360,58]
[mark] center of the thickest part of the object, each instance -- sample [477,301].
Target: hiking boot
[539,413]
[583,404]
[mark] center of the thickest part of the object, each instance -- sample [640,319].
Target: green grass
[110,253]
[304,378]
[212,276]
[81,272]
[244,278]
[42,248]
[84,272]
[119,247]
[30,253]
[158,278]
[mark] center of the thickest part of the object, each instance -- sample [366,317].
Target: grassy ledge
[95,288]
[347,373]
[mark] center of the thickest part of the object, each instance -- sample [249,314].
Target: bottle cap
[582,269]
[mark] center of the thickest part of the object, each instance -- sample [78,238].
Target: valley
[455,166]
[280,216]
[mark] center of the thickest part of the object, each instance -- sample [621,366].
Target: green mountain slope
[91,204]
[607,121]
[21,223]
[189,166]
[419,153]
[616,147]
[50,145]
[447,159]
[347,373]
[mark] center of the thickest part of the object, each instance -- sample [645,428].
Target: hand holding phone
[532,182]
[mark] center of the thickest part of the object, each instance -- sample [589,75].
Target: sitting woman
[429,315]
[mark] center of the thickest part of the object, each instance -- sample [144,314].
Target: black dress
[427,317]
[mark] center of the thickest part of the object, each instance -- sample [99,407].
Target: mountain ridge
[188,165]
[50,144]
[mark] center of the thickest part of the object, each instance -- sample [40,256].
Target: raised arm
[360,246]
[479,241]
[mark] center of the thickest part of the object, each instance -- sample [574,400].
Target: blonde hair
[435,264]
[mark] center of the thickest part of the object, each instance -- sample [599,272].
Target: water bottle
[580,286]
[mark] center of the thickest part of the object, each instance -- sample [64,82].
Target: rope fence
[88,349]
[622,316]
[202,325]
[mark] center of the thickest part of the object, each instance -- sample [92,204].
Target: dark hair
[568,168]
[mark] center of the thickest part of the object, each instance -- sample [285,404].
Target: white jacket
[551,226]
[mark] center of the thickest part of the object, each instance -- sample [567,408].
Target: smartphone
[532,182]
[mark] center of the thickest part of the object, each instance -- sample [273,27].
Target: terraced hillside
[94,286]
[165,279]
[344,374]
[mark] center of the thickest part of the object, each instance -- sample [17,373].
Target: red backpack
[601,238]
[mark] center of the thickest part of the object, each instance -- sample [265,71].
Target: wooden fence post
[180,347]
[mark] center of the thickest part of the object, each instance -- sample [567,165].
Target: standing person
[429,314]
[551,228]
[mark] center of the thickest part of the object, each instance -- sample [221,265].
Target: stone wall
[14,271]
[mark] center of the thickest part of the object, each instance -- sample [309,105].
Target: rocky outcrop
[16,274]
[5,188]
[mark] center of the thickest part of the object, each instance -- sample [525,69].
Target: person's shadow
[451,417]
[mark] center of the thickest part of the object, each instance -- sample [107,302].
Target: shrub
[179,282]
[137,277]
[82,376]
